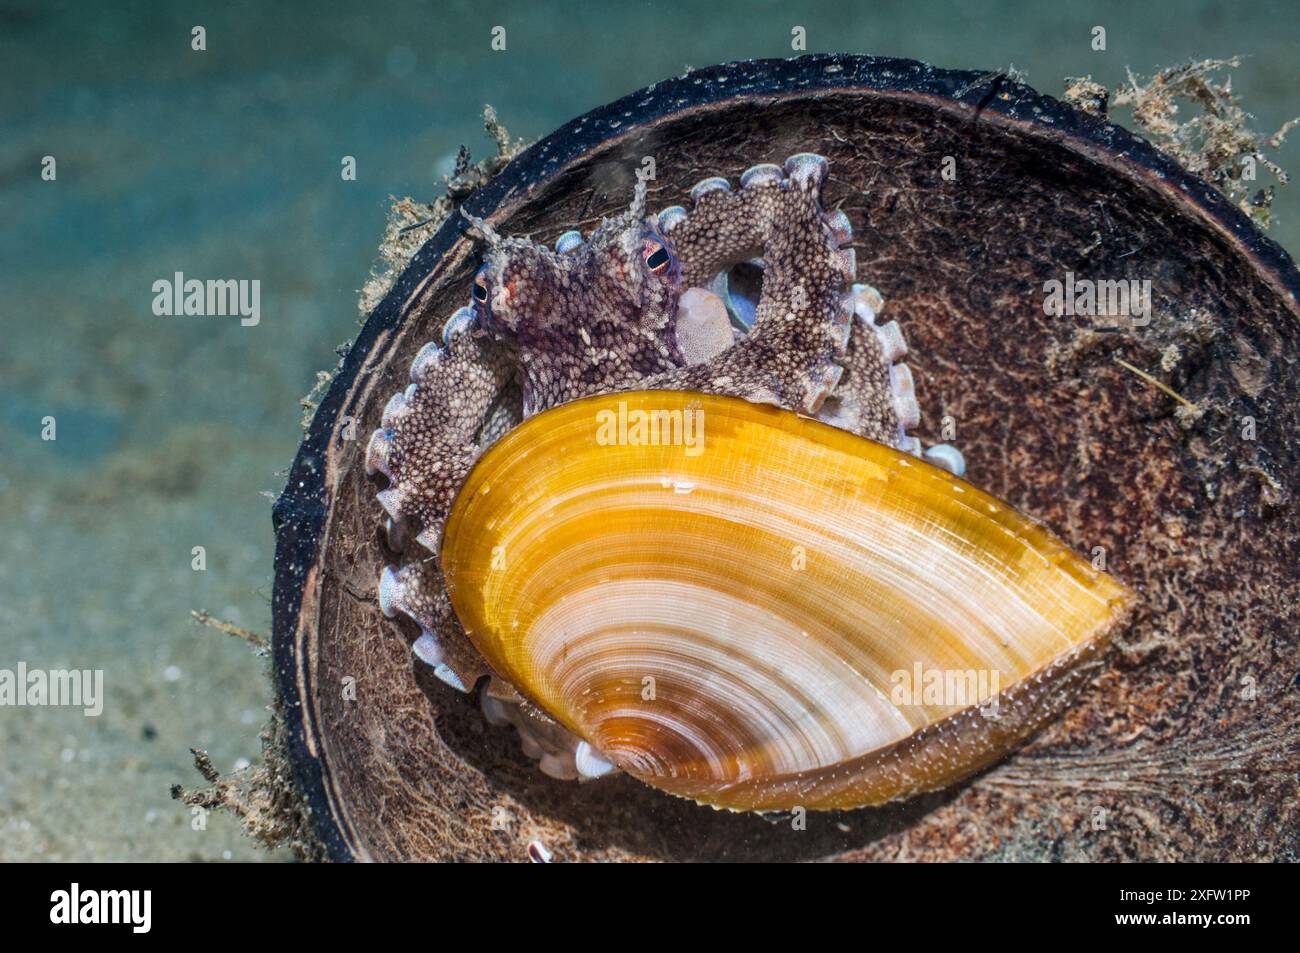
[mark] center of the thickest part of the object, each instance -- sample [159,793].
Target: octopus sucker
[749,299]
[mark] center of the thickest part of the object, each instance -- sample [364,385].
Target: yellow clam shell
[779,615]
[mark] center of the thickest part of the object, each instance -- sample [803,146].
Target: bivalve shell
[755,610]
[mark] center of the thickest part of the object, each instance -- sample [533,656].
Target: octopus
[750,294]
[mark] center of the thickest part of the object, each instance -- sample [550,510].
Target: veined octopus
[750,294]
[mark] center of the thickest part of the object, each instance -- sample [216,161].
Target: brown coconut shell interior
[1184,742]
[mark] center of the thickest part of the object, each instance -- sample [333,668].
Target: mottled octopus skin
[593,318]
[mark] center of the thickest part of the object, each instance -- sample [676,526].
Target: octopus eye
[657,257]
[480,291]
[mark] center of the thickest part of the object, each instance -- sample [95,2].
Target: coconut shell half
[1163,449]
